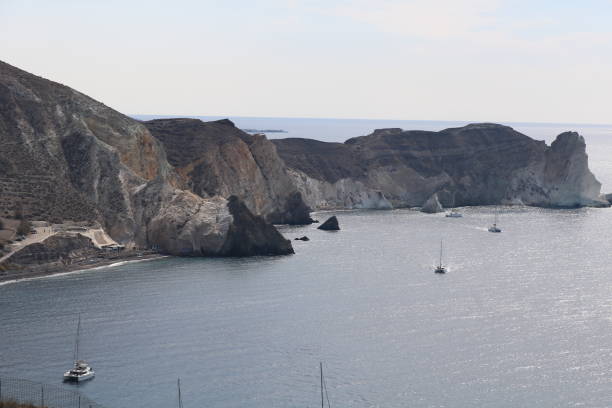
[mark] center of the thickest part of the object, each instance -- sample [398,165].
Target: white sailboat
[440,268]
[454,214]
[81,370]
[494,227]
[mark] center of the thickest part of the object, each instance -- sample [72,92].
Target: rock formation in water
[432,205]
[331,224]
[217,158]
[478,164]
[64,155]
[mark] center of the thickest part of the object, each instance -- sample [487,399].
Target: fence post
[42,396]
[79,400]
[0,389]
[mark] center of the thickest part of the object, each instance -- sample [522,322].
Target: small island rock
[432,205]
[304,238]
[330,225]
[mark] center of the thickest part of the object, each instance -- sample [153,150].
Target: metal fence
[42,395]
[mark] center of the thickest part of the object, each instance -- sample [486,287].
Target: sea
[522,318]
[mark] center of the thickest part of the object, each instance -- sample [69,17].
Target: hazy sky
[506,60]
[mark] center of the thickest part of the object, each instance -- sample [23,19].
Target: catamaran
[440,268]
[494,227]
[81,370]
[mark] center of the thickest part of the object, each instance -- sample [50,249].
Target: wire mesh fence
[24,392]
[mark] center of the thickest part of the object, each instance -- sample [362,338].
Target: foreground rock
[432,205]
[331,224]
[178,222]
[478,164]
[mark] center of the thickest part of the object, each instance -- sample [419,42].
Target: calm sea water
[522,319]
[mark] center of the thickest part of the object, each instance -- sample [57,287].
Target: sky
[476,60]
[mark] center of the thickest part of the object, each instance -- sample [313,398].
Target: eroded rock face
[250,234]
[65,156]
[479,164]
[216,158]
[179,222]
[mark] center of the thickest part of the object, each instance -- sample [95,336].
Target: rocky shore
[13,273]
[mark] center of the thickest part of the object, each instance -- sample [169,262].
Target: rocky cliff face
[216,158]
[65,156]
[477,164]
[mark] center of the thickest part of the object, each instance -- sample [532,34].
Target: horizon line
[134,115]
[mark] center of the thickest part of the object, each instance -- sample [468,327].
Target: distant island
[264,130]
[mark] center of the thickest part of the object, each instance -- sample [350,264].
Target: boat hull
[68,377]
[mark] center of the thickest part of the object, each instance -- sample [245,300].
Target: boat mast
[76,344]
[180,399]
[322,401]
[440,254]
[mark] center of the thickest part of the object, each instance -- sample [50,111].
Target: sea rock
[251,235]
[432,205]
[478,164]
[331,224]
[304,238]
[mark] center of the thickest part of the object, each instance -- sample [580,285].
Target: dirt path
[42,233]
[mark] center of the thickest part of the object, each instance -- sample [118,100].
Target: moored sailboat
[494,227]
[440,268]
[81,370]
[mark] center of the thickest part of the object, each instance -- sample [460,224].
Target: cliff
[64,155]
[217,158]
[478,164]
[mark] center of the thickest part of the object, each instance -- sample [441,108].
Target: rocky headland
[478,164]
[191,188]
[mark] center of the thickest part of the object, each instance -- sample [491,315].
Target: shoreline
[16,277]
